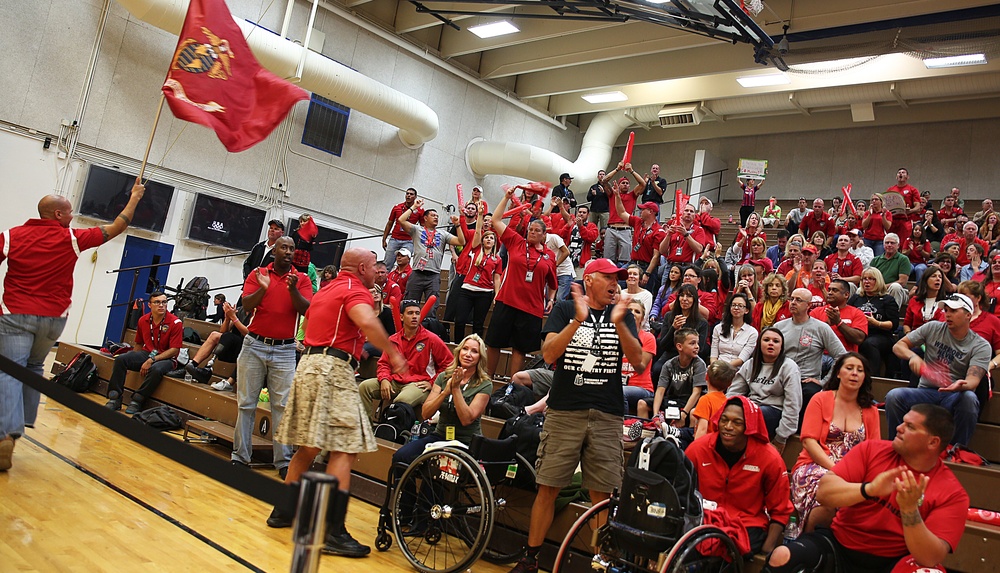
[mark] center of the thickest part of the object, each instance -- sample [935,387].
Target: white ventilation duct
[416,121]
[537,164]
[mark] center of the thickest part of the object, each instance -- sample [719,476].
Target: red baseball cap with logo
[605,266]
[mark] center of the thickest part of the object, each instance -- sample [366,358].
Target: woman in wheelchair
[459,395]
[741,473]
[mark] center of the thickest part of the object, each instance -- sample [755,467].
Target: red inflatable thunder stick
[627,158]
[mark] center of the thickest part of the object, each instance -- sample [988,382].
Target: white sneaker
[222,386]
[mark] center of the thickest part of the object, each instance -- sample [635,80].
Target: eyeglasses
[738,305]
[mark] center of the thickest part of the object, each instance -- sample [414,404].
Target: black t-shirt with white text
[589,373]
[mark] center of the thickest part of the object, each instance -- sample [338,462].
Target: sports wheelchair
[453,505]
[654,523]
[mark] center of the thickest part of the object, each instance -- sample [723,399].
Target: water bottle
[791,530]
[415,431]
[187,376]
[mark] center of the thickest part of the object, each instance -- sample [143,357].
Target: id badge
[589,363]
[679,251]
[529,276]
[421,264]
[449,432]
[475,278]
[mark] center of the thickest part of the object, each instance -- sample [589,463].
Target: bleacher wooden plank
[977,550]
[202,327]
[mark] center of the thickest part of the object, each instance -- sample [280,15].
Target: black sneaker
[525,565]
[113,404]
[345,546]
[200,375]
[179,373]
[134,407]
[278,520]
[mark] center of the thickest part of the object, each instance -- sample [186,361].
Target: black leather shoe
[344,545]
[279,520]
[134,407]
[200,375]
[179,373]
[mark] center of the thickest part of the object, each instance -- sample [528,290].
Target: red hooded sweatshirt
[756,489]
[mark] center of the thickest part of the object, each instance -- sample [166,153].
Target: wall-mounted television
[107,191]
[322,255]
[225,223]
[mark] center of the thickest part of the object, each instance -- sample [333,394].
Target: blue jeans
[565,282]
[259,362]
[393,245]
[964,406]
[26,339]
[918,271]
[632,396]
[877,247]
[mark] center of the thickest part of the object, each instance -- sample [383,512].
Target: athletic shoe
[134,407]
[179,373]
[279,520]
[222,386]
[6,453]
[114,401]
[201,375]
[345,546]
[525,565]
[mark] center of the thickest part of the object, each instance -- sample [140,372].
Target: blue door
[138,252]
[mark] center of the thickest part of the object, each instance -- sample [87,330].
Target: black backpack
[192,300]
[434,325]
[161,418]
[509,401]
[79,374]
[191,335]
[528,428]
[395,422]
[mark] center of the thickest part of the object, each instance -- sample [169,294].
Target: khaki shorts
[598,449]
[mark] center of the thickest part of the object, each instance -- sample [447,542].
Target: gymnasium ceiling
[551,62]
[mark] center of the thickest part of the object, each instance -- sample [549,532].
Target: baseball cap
[949,244]
[811,248]
[957,301]
[277,224]
[855,232]
[564,176]
[651,206]
[405,252]
[605,266]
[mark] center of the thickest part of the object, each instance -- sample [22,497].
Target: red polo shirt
[810,224]
[849,315]
[679,251]
[514,290]
[275,316]
[850,266]
[397,230]
[400,276]
[645,241]
[328,323]
[169,333]
[41,255]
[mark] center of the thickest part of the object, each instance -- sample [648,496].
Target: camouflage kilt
[324,409]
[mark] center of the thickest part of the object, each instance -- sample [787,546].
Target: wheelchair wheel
[580,547]
[723,557]
[442,510]
[513,495]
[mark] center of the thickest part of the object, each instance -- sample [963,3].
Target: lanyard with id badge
[529,273]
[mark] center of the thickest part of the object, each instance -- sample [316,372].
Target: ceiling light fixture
[762,81]
[494,29]
[955,61]
[605,97]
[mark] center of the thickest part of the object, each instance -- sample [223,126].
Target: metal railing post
[315,490]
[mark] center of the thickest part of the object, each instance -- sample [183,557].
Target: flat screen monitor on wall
[322,255]
[107,191]
[225,223]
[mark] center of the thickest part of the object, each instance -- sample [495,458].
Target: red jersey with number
[41,256]
[275,316]
[329,323]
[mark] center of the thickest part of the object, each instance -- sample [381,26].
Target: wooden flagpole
[149,144]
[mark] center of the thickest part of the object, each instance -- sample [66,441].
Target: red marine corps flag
[214,80]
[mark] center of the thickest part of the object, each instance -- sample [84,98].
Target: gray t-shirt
[941,348]
[805,343]
[428,248]
[781,389]
[795,215]
[680,382]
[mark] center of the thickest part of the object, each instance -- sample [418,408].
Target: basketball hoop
[752,7]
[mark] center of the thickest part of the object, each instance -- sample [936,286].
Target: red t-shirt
[914,317]
[988,326]
[515,291]
[678,249]
[628,201]
[875,230]
[169,333]
[919,253]
[41,256]
[849,315]
[810,224]
[993,292]
[328,321]
[397,229]
[949,213]
[645,241]
[481,275]
[911,196]
[745,244]
[874,527]
[849,266]
[275,317]
[644,380]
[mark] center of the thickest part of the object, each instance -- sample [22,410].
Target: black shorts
[510,327]
[232,343]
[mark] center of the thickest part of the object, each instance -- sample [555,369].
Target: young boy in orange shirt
[719,376]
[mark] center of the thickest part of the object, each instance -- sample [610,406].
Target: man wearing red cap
[586,338]
[618,236]
[646,237]
[740,472]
